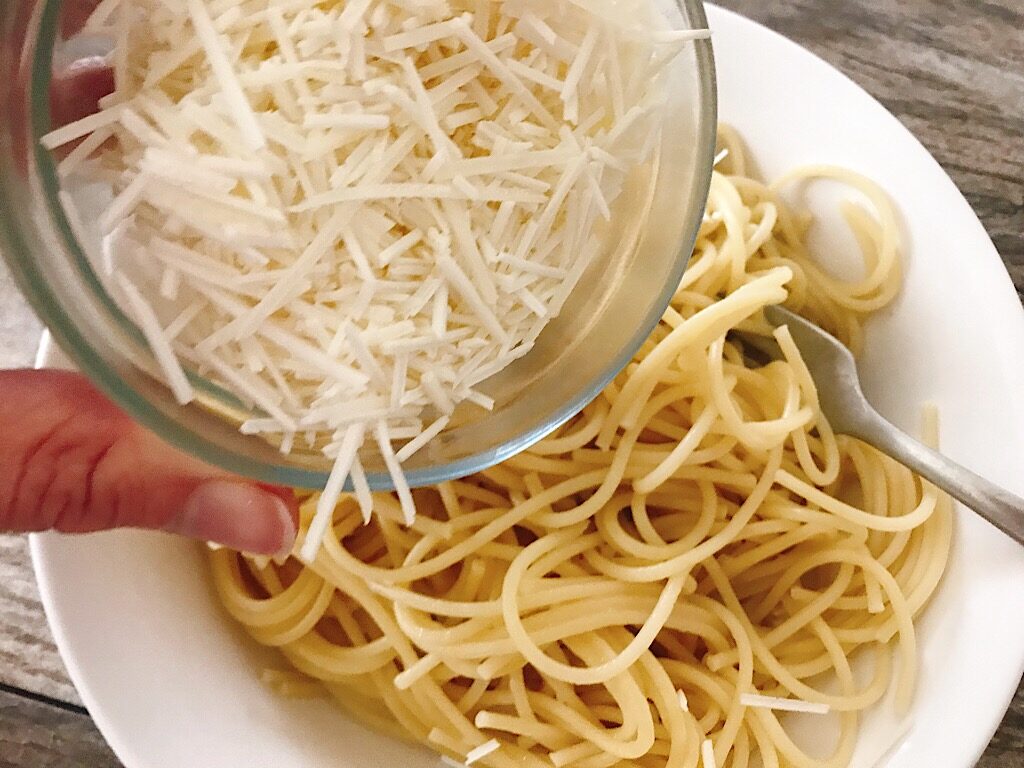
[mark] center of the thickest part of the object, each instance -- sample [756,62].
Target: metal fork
[835,373]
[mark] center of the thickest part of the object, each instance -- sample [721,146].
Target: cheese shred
[478,753]
[785,705]
[707,754]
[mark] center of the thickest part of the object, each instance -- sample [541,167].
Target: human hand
[71,461]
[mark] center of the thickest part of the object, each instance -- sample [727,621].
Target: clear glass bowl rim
[106,378]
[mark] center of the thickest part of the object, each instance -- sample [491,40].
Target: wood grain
[28,657]
[953,72]
[19,327]
[40,734]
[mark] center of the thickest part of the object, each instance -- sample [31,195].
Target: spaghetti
[645,585]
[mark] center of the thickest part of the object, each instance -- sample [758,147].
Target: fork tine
[777,315]
[833,369]
[823,353]
[815,344]
[843,403]
[758,350]
[761,349]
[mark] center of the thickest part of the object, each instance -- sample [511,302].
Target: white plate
[172,683]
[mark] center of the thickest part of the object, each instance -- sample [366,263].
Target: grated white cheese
[88,124]
[707,754]
[123,204]
[350,444]
[458,280]
[876,601]
[424,437]
[249,387]
[225,75]
[158,343]
[419,36]
[684,703]
[398,248]
[351,213]
[362,490]
[482,751]
[787,705]
[71,163]
[395,470]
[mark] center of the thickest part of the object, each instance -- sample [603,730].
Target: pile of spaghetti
[653,583]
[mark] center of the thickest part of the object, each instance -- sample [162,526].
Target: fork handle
[1003,509]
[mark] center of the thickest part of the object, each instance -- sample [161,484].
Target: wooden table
[953,72]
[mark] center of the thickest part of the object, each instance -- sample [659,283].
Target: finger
[74,14]
[75,92]
[71,461]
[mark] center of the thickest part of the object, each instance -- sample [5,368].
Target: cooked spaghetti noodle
[642,586]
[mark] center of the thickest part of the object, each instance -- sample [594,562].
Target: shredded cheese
[349,213]
[225,75]
[787,705]
[684,703]
[707,754]
[162,351]
[351,443]
[478,753]
[362,490]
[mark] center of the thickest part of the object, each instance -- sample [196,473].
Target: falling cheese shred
[479,753]
[707,754]
[684,703]
[349,213]
[786,705]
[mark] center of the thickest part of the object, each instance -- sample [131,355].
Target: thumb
[71,461]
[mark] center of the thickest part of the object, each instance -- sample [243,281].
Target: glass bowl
[612,310]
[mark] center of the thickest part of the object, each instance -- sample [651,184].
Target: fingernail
[240,516]
[89,63]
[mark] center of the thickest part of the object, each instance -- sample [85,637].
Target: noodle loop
[698,532]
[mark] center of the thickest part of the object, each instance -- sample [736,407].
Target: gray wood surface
[39,733]
[952,71]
